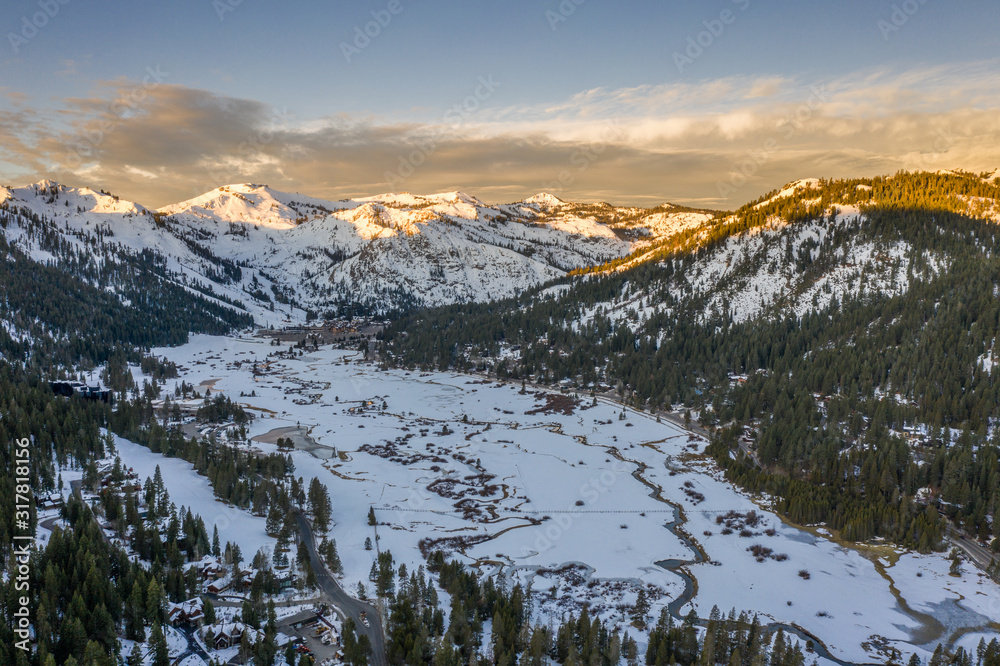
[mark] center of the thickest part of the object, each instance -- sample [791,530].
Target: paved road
[343,601]
[745,448]
[193,646]
[679,420]
[979,555]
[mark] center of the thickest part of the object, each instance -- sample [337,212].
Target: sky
[703,103]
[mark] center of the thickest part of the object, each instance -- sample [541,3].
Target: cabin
[189,613]
[228,634]
[208,568]
[50,501]
[244,580]
[219,586]
[285,579]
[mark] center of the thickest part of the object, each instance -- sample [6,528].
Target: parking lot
[310,628]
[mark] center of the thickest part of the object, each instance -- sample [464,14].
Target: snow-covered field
[188,489]
[557,494]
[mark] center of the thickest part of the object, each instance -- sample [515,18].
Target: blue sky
[708,103]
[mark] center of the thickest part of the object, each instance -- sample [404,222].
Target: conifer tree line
[417,633]
[90,591]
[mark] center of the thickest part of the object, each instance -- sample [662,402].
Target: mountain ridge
[279,255]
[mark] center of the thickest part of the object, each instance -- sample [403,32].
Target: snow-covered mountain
[795,250]
[276,254]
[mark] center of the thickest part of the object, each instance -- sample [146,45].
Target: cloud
[717,142]
[70,67]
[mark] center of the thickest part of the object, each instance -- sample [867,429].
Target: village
[211,626]
[344,331]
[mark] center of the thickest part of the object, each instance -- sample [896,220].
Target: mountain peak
[456,197]
[545,199]
[243,188]
[46,192]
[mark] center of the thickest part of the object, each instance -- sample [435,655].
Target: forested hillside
[78,306]
[67,314]
[845,330]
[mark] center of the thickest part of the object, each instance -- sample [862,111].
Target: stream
[679,568]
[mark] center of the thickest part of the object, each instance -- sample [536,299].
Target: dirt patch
[555,403]
[392,451]
[449,545]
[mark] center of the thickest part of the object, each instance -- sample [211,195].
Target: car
[364,619]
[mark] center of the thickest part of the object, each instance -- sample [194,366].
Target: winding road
[346,603]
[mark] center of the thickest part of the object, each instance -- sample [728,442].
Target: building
[220,585]
[189,613]
[209,568]
[227,634]
[67,389]
[285,579]
[50,501]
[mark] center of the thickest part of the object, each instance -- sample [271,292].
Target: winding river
[680,567]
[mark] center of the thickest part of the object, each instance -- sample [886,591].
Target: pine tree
[158,646]
[208,609]
[274,521]
[641,608]
[135,615]
[319,504]
[154,602]
[333,558]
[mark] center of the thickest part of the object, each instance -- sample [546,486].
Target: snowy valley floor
[560,495]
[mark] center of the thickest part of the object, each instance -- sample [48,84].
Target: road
[979,555]
[679,420]
[346,603]
[745,448]
[193,647]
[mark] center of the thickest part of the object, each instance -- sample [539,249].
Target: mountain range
[275,255]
